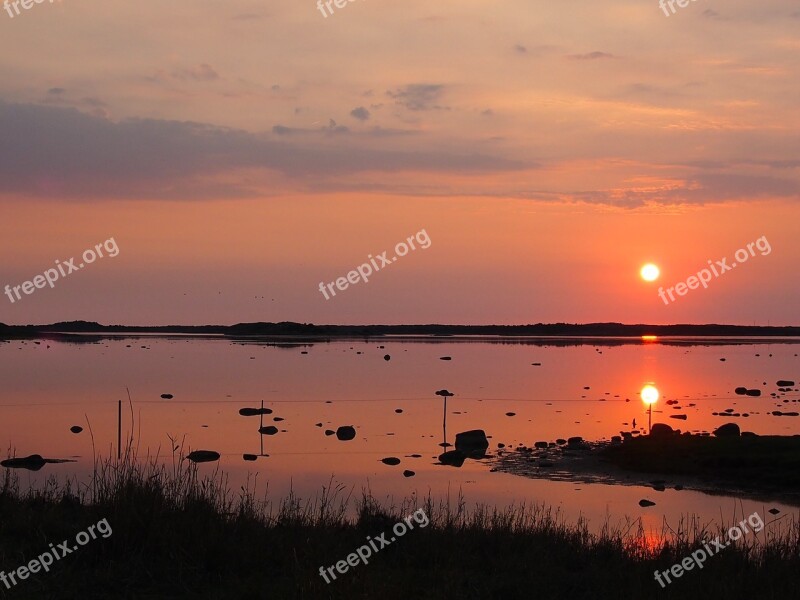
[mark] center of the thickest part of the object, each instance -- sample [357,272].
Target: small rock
[391,461]
[254,412]
[408,473]
[268,430]
[76,429]
[167,396]
[201,456]
[249,456]
[646,503]
[345,433]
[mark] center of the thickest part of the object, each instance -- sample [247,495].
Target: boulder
[452,458]
[727,430]
[474,439]
[661,430]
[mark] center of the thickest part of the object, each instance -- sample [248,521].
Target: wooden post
[119,429]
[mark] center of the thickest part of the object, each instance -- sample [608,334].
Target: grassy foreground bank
[176,535]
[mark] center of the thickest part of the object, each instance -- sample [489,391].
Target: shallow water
[50,386]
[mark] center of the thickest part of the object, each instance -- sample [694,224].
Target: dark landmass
[174,534]
[558,333]
[762,467]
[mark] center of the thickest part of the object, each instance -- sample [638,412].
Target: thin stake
[261,426]
[119,429]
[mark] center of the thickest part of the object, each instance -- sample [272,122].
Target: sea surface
[385,388]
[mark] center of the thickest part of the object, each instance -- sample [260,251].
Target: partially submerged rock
[452,458]
[201,456]
[345,433]
[254,412]
[472,444]
[34,462]
[727,430]
[661,430]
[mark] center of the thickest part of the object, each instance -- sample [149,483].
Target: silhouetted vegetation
[177,535]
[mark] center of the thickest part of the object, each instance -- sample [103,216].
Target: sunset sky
[240,153]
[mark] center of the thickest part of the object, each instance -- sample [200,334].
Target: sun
[649,394]
[650,272]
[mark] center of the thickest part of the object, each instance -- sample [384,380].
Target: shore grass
[179,535]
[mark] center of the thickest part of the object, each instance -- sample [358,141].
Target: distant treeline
[336,331]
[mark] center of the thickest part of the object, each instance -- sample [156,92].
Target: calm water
[51,386]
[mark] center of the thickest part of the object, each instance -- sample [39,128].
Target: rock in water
[646,503]
[727,430]
[785,383]
[76,429]
[268,430]
[254,412]
[345,433]
[34,462]
[408,473]
[387,357]
[167,396]
[249,456]
[660,430]
[474,439]
[391,461]
[452,458]
[201,456]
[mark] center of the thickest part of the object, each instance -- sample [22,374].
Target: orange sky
[257,149]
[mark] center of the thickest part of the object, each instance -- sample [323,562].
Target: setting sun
[650,394]
[650,272]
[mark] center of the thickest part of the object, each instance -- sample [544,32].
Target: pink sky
[240,154]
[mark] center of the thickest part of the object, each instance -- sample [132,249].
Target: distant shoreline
[555,333]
